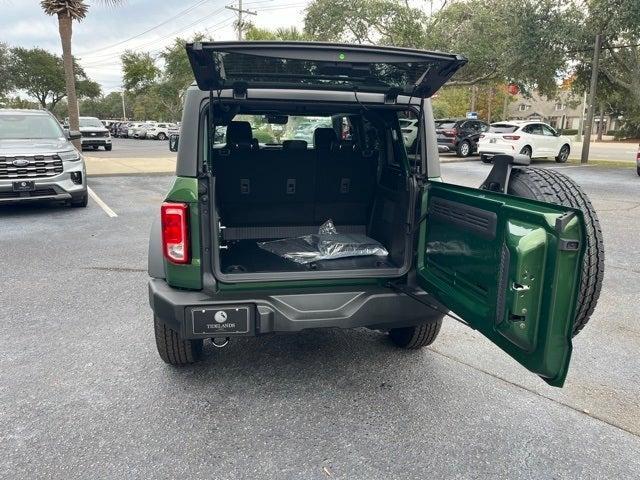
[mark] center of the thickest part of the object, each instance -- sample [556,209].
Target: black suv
[459,135]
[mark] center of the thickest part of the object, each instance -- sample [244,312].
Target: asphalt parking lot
[133,147]
[84,395]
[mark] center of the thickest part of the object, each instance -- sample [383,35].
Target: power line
[96,59]
[186,10]
[240,11]
[117,60]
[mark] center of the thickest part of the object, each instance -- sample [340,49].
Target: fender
[155,262]
[498,178]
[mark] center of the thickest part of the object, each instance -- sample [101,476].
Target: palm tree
[67,11]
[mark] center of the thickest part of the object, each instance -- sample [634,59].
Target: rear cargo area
[271,192]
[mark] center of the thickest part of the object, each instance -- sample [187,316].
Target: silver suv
[37,160]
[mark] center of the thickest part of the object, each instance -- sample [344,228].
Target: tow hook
[219,343]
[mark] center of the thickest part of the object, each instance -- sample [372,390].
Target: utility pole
[124,111]
[592,100]
[240,11]
[583,107]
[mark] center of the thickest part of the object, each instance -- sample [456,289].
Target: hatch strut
[417,298]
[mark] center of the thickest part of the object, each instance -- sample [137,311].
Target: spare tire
[553,187]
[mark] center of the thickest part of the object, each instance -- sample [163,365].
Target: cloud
[23,23]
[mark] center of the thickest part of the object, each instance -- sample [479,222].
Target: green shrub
[569,131]
[263,136]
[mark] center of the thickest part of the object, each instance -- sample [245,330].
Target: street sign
[472,115]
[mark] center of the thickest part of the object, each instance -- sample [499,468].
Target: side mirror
[174,139]
[73,134]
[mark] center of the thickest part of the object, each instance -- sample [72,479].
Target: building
[562,112]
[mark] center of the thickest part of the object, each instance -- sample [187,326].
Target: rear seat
[264,186]
[292,185]
[345,181]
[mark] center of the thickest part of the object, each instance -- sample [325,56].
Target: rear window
[503,128]
[296,128]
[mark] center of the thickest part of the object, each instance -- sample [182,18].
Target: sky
[139,25]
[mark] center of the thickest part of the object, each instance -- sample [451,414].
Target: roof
[23,111]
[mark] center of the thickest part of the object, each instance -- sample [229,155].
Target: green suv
[264,232]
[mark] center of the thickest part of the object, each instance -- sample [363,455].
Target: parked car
[94,134]
[638,161]
[243,246]
[533,139]
[38,161]
[159,131]
[459,135]
[123,129]
[174,129]
[139,130]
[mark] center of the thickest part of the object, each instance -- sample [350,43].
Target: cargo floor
[245,256]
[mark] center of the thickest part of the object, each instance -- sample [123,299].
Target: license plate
[492,140]
[220,321]
[24,186]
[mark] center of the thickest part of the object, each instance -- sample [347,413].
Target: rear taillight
[175,232]
[511,137]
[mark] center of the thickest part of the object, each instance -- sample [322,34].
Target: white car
[534,139]
[160,131]
[409,129]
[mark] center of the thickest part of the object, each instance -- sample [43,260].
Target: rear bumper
[291,310]
[446,145]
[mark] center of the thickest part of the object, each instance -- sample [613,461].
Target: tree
[291,33]
[67,11]
[139,70]
[41,75]
[6,79]
[504,40]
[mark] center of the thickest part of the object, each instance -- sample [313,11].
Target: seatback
[263,186]
[238,174]
[345,180]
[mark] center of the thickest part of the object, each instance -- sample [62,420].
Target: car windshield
[296,128]
[502,128]
[445,124]
[90,122]
[29,126]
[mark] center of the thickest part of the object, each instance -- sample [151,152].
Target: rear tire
[162,136]
[173,349]
[638,171]
[108,147]
[464,148]
[553,187]
[526,150]
[416,337]
[563,155]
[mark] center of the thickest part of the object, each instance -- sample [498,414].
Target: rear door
[315,65]
[507,266]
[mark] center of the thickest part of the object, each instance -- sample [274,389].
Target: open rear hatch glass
[313,65]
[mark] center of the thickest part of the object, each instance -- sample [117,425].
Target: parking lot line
[103,205]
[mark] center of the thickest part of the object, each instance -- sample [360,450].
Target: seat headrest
[324,137]
[239,132]
[294,145]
